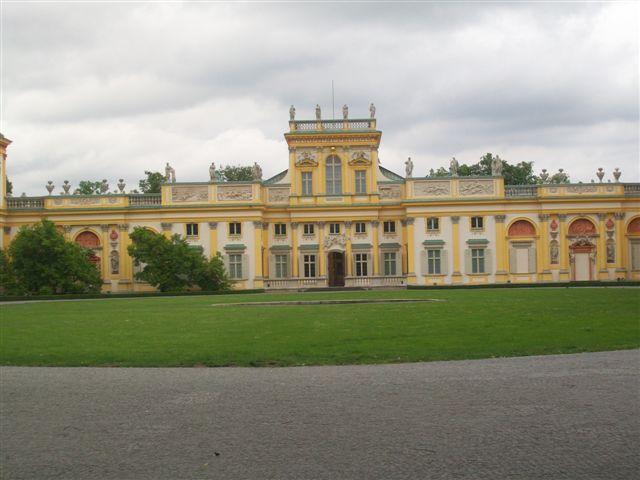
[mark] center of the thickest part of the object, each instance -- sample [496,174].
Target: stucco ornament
[390,191]
[240,192]
[496,166]
[278,194]
[292,113]
[359,158]
[345,111]
[611,251]
[334,241]
[104,186]
[372,110]
[318,112]
[169,173]
[66,186]
[554,252]
[408,167]
[616,174]
[256,171]
[436,188]
[114,259]
[306,158]
[453,167]
[475,187]
[600,174]
[189,193]
[50,186]
[544,176]
[121,185]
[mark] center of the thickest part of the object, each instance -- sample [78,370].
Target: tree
[8,284]
[43,262]
[152,183]
[8,187]
[87,187]
[237,174]
[172,265]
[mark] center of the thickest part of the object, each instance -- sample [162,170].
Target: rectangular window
[389,263]
[192,229]
[433,224]
[309,263]
[389,226]
[308,229]
[477,260]
[235,228]
[280,229]
[361,261]
[333,175]
[434,258]
[477,223]
[282,262]
[361,182]
[334,228]
[361,227]
[307,183]
[235,266]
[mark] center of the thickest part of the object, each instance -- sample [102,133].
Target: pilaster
[456,276]
[213,239]
[321,260]
[295,268]
[258,253]
[602,273]
[347,228]
[166,229]
[501,249]
[104,260]
[126,265]
[265,245]
[411,268]
[621,249]
[542,249]
[376,249]
[564,248]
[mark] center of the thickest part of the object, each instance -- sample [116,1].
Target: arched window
[521,228]
[334,175]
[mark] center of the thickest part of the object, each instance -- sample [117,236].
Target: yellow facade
[336,217]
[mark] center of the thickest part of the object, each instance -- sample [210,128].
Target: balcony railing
[632,189]
[28,203]
[332,125]
[145,200]
[521,191]
[294,283]
[377,281]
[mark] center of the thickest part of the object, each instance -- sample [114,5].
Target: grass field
[185,331]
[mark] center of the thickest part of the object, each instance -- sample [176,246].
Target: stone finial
[600,174]
[104,186]
[318,112]
[66,186]
[345,111]
[372,110]
[616,174]
[544,176]
[292,113]
[121,185]
[50,186]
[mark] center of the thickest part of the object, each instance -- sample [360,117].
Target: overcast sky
[108,90]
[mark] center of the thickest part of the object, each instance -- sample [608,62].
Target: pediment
[360,158]
[306,159]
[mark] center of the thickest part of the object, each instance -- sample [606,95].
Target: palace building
[336,217]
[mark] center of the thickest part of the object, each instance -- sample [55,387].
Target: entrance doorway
[336,269]
[582,266]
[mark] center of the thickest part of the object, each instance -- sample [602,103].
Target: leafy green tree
[8,285]
[152,183]
[172,265]
[43,262]
[237,174]
[87,187]
[8,187]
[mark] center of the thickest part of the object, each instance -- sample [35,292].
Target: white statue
[318,114]
[169,173]
[212,172]
[408,167]
[256,171]
[496,166]
[453,167]
[345,111]
[292,113]
[372,110]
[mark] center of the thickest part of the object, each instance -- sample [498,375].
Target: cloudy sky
[108,90]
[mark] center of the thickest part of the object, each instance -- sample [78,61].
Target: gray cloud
[109,90]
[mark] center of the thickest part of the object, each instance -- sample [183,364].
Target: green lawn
[183,331]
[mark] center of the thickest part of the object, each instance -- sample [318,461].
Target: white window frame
[192,229]
[361,264]
[235,266]
[235,229]
[361,182]
[334,229]
[307,183]
[308,229]
[389,226]
[361,227]
[433,224]
[479,223]
[390,264]
[309,265]
[281,262]
[478,263]
[434,261]
[333,170]
[280,229]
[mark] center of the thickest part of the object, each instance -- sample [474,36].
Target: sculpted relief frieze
[582,189]
[389,191]
[235,192]
[278,195]
[189,193]
[360,157]
[432,189]
[475,187]
[306,158]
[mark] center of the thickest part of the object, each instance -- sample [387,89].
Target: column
[456,276]
[321,260]
[542,263]
[213,239]
[601,264]
[104,239]
[265,245]
[67,232]
[502,253]
[621,250]
[294,250]
[411,268]
[166,229]
[126,270]
[258,253]
[564,248]
[376,248]
[348,254]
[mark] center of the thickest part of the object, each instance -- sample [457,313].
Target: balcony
[145,200]
[359,124]
[25,203]
[398,281]
[632,189]
[521,191]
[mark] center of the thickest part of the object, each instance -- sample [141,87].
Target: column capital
[257,224]
[348,224]
[410,220]
[6,229]
[619,215]
[265,225]
[562,217]
[321,224]
[375,223]
[455,219]
[543,217]
[104,227]
[213,225]
[67,228]
[123,227]
[294,225]
[602,216]
[499,218]
[166,225]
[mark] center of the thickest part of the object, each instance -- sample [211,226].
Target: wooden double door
[336,268]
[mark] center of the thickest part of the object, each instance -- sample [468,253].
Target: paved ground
[555,417]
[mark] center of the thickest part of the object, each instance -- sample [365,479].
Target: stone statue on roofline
[408,167]
[212,172]
[256,171]
[345,111]
[453,167]
[169,173]
[496,166]
[292,113]
[318,113]
[372,110]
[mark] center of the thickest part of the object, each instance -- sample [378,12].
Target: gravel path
[552,417]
